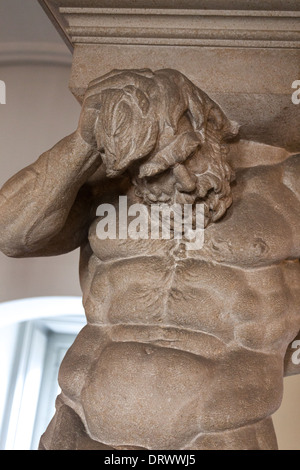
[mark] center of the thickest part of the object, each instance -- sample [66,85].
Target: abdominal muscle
[141,394]
[166,371]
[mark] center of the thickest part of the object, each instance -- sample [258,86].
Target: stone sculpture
[183,349]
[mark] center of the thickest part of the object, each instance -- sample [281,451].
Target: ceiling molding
[85,22]
[34,53]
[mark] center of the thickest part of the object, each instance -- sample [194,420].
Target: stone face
[184,347]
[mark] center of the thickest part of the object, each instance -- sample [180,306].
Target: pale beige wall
[287,418]
[39,111]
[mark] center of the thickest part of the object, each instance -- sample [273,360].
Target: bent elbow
[12,245]
[12,250]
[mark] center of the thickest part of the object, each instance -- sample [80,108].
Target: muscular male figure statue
[183,349]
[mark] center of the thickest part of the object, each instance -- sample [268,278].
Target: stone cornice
[243,53]
[89,22]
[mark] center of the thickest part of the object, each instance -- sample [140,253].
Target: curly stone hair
[138,124]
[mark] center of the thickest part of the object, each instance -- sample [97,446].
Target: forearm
[35,203]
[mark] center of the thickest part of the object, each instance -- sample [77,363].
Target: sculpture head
[168,135]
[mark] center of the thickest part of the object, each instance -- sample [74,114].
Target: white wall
[39,111]
[287,418]
[25,20]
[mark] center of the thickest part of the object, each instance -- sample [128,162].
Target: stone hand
[88,119]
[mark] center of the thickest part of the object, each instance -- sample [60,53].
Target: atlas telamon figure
[182,349]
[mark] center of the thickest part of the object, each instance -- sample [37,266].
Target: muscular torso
[175,336]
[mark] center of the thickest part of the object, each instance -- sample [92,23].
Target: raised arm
[49,198]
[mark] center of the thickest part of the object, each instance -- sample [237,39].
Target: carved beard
[212,183]
[168,136]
